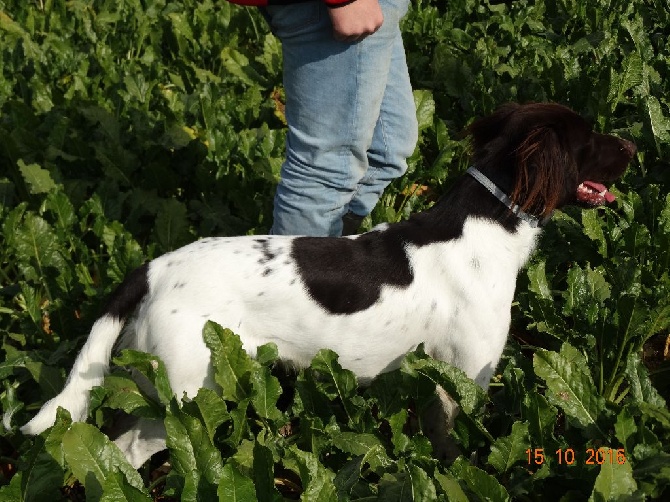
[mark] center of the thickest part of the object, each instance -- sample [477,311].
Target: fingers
[357,20]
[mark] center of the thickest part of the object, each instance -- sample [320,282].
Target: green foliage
[130,128]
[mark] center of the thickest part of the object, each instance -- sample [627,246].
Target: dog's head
[546,156]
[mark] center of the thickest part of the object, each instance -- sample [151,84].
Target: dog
[444,277]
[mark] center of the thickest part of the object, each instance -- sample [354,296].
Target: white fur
[89,370]
[458,305]
[468,326]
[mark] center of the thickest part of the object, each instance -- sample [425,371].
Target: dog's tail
[92,362]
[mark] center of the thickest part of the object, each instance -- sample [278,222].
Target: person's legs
[394,138]
[335,92]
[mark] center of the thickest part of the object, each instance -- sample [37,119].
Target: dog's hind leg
[177,339]
[187,362]
[139,438]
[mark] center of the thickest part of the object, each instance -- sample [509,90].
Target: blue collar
[532,220]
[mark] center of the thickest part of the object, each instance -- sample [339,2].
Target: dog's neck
[483,180]
[444,222]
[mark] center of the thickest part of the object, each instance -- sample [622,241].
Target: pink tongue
[598,187]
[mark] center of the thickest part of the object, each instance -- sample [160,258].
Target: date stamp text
[568,456]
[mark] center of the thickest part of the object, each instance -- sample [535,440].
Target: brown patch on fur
[540,169]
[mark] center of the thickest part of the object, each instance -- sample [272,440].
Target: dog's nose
[629,147]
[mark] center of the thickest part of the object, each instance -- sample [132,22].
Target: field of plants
[131,127]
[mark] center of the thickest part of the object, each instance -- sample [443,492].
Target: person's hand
[357,20]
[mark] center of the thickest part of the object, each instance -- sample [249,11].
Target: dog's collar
[532,220]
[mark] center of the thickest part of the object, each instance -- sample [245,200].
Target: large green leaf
[11,492]
[423,488]
[366,445]
[615,480]
[266,392]
[451,487]
[100,466]
[124,394]
[396,487]
[587,290]
[212,410]
[592,223]
[41,474]
[172,226]
[629,75]
[570,387]
[541,417]
[193,454]
[39,180]
[485,486]
[425,108]
[235,486]
[348,476]
[264,473]
[642,390]
[509,450]
[625,429]
[659,122]
[38,246]
[317,480]
[336,382]
[232,364]
[469,395]
[339,382]
[151,367]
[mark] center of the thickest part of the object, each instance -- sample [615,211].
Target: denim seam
[371,167]
[352,139]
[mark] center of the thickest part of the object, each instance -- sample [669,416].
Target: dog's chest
[471,280]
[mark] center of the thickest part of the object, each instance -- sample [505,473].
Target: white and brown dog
[445,277]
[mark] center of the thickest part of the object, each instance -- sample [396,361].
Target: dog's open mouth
[594,194]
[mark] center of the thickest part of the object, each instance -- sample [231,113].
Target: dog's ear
[485,133]
[542,169]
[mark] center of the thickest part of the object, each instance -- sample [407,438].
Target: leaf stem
[157,482]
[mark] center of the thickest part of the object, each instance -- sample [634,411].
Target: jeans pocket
[295,19]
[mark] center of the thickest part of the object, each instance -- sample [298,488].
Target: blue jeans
[351,118]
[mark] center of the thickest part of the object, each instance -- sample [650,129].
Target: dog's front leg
[438,422]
